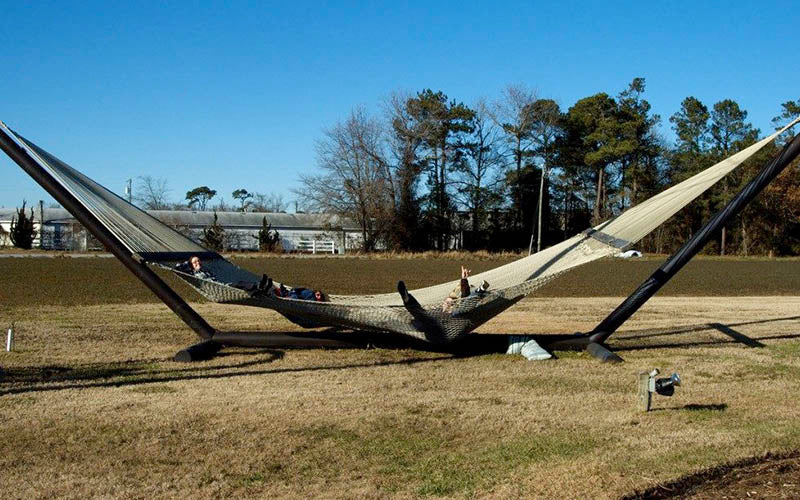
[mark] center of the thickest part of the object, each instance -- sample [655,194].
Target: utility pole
[538,226]
[41,224]
[129,190]
[541,195]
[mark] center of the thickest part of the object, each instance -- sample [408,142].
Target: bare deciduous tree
[513,113]
[354,184]
[479,181]
[269,202]
[152,193]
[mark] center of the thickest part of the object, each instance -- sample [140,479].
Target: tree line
[518,172]
[152,193]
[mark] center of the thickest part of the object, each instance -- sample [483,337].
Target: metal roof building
[298,232]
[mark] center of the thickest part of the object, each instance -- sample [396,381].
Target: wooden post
[645,396]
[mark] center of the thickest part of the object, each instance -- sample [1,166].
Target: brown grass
[91,406]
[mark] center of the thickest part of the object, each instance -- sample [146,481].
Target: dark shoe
[264,280]
[403,291]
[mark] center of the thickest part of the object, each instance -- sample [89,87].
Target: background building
[298,232]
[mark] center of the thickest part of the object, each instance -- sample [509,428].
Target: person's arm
[464,282]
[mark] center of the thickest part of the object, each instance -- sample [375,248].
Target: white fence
[315,246]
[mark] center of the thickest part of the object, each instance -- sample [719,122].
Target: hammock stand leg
[676,261]
[91,223]
[581,342]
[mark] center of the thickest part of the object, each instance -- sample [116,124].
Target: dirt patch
[769,476]
[88,281]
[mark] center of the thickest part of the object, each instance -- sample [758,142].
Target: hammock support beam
[139,269]
[683,255]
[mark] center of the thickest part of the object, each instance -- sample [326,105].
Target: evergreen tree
[406,146]
[690,155]
[22,230]
[200,196]
[640,167]
[598,132]
[441,125]
[244,198]
[214,236]
[268,239]
[730,133]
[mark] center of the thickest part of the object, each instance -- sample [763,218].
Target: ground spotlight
[666,386]
[648,384]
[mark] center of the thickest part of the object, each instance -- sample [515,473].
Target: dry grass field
[92,406]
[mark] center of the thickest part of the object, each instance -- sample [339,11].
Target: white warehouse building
[317,233]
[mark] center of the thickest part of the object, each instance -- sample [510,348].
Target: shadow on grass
[139,372]
[710,407]
[148,371]
[95,371]
[728,330]
[693,408]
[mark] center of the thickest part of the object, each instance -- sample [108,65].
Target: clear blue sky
[235,94]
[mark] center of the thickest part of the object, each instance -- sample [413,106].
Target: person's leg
[408,299]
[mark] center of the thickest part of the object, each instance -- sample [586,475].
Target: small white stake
[10,339]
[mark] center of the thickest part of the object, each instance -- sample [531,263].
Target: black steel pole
[696,243]
[140,270]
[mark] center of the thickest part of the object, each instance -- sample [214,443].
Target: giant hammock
[156,244]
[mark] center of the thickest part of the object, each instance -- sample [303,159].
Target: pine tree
[214,236]
[268,239]
[22,230]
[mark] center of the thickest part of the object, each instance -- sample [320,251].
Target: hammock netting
[159,245]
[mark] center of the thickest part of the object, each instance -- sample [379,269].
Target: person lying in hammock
[459,292]
[194,267]
[297,293]
[300,293]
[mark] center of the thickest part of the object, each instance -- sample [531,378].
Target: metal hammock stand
[139,241]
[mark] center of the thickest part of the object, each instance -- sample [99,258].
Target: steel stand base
[198,352]
[602,353]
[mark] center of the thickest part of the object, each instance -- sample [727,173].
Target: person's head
[195,262]
[319,296]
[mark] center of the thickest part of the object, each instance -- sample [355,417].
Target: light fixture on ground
[666,386]
[648,384]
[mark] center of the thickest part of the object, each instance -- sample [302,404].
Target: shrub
[22,231]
